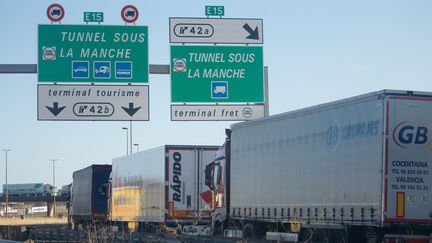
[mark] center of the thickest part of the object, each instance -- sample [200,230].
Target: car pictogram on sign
[80,69]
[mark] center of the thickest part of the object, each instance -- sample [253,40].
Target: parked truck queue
[353,170]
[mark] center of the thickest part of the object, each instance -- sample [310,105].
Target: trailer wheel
[321,235]
[249,231]
[218,229]
[339,236]
[71,223]
[306,234]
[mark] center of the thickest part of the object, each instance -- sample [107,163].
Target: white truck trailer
[29,189]
[356,170]
[160,186]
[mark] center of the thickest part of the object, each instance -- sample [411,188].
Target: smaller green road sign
[214,10]
[93,17]
[217,74]
[93,53]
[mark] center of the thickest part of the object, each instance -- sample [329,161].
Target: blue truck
[88,204]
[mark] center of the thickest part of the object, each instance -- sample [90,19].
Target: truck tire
[72,225]
[218,229]
[339,236]
[321,235]
[306,234]
[248,231]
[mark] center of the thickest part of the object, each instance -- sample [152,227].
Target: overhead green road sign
[217,74]
[92,53]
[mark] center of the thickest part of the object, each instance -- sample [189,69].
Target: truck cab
[216,196]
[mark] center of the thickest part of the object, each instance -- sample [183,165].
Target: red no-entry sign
[129,13]
[55,12]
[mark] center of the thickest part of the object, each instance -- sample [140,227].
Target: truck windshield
[208,176]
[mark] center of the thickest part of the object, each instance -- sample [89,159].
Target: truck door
[408,159]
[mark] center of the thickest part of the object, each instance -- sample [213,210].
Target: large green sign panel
[217,74]
[92,53]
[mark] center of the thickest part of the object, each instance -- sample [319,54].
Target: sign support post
[266,93]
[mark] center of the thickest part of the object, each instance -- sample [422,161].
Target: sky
[316,51]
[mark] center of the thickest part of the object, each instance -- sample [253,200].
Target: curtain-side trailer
[160,186]
[356,170]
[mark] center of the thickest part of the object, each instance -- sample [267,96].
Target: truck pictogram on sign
[219,90]
[55,12]
[129,13]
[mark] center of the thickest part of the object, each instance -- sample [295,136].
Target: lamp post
[130,136]
[137,145]
[127,139]
[7,190]
[54,187]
